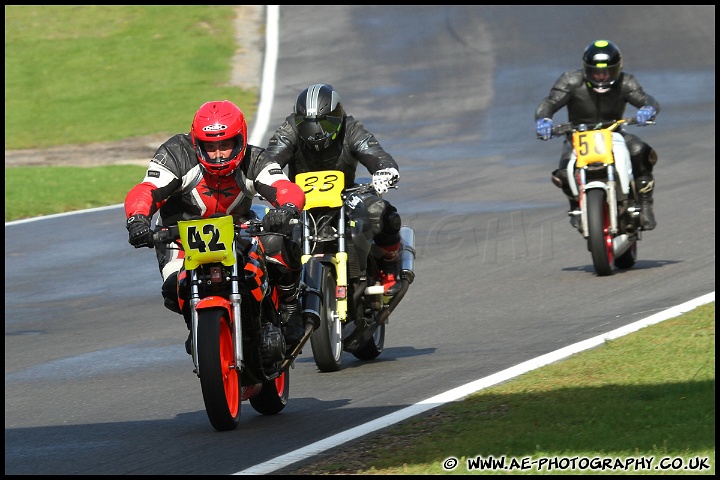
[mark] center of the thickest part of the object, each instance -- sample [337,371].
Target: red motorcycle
[238,348]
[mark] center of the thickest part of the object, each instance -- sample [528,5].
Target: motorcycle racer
[599,92]
[212,170]
[320,135]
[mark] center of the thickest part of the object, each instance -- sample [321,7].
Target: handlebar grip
[165,235]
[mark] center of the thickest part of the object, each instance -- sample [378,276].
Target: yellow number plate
[207,240]
[593,146]
[322,189]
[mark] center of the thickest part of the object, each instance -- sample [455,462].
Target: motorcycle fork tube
[612,200]
[306,250]
[340,262]
[194,301]
[235,301]
[583,203]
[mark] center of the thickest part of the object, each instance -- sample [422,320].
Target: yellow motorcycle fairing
[594,146]
[322,189]
[207,240]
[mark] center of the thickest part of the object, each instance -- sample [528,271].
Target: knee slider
[392,222]
[560,179]
[652,157]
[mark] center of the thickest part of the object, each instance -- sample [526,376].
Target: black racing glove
[278,220]
[138,227]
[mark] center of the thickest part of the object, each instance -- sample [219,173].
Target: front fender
[596,184]
[214,302]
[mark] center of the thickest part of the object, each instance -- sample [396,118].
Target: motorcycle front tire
[600,242]
[327,340]
[219,381]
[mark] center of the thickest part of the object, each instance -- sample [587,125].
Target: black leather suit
[354,145]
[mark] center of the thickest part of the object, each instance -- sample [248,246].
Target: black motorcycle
[341,278]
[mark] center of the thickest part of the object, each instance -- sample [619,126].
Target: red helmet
[216,121]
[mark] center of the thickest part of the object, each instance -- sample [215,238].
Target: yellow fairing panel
[593,146]
[207,240]
[322,188]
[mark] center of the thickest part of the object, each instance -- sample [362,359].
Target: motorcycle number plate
[322,188]
[592,147]
[208,240]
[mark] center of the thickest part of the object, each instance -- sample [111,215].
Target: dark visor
[328,123]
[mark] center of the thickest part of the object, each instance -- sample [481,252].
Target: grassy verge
[96,73]
[648,396]
[36,191]
[77,74]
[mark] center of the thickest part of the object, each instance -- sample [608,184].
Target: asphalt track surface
[96,377]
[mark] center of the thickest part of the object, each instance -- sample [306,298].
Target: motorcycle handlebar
[165,235]
[168,234]
[363,188]
[568,128]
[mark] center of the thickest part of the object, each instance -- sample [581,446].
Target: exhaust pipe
[407,254]
[407,270]
[621,243]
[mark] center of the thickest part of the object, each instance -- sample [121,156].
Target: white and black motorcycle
[601,177]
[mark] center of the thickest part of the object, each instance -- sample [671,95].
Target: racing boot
[646,185]
[291,314]
[389,272]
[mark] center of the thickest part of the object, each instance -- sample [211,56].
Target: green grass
[81,74]
[100,73]
[36,191]
[649,394]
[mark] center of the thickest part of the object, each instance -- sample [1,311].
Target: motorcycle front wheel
[326,341]
[219,379]
[273,396]
[600,242]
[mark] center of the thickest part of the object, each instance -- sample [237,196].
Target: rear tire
[327,340]
[374,346]
[600,241]
[219,379]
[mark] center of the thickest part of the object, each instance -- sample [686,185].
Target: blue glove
[543,127]
[644,115]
